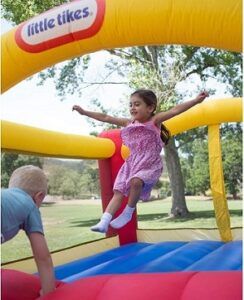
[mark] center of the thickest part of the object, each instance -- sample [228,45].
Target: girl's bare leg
[114,203]
[135,192]
[113,206]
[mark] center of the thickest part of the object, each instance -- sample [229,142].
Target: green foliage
[69,179]
[69,77]
[163,68]
[195,169]
[10,162]
[165,190]
[4,180]
[148,67]
[55,179]
[232,161]
[222,65]
[195,161]
[69,187]
[72,182]
[20,10]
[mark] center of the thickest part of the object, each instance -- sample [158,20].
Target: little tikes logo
[77,20]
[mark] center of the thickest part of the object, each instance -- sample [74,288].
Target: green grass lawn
[154,215]
[67,225]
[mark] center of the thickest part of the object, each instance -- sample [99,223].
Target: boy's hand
[79,109]
[200,97]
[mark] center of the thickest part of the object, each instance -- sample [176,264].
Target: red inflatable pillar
[108,169]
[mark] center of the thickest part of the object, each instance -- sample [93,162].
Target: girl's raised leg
[136,185]
[113,206]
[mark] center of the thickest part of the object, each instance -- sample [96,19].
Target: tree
[232,159]
[55,179]
[7,162]
[68,180]
[195,162]
[11,161]
[69,185]
[196,170]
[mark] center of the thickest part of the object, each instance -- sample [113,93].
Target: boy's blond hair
[29,178]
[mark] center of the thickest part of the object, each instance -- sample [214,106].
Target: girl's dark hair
[164,134]
[150,98]
[147,96]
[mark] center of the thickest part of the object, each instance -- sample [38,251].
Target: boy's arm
[43,261]
[102,117]
[178,109]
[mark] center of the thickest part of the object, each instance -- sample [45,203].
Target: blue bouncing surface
[156,258]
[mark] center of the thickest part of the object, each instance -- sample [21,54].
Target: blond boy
[20,210]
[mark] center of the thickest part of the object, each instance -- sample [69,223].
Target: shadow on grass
[207,214]
[84,223]
[163,217]
[152,217]
[46,204]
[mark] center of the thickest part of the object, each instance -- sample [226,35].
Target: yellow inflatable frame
[125,23]
[121,23]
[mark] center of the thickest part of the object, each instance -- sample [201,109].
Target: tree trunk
[179,208]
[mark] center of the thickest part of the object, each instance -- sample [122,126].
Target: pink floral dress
[144,162]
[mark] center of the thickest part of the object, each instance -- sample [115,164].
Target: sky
[41,107]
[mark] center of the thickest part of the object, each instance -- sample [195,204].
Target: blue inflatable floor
[154,258]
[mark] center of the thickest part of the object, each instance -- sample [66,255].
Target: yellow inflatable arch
[85,26]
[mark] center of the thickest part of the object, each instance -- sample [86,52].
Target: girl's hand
[79,109]
[200,97]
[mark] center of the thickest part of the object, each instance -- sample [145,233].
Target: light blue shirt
[18,211]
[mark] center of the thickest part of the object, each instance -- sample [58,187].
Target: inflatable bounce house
[131,263]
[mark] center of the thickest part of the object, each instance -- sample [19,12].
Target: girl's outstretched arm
[178,109]
[102,117]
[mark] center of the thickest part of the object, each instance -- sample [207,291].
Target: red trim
[68,38]
[127,234]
